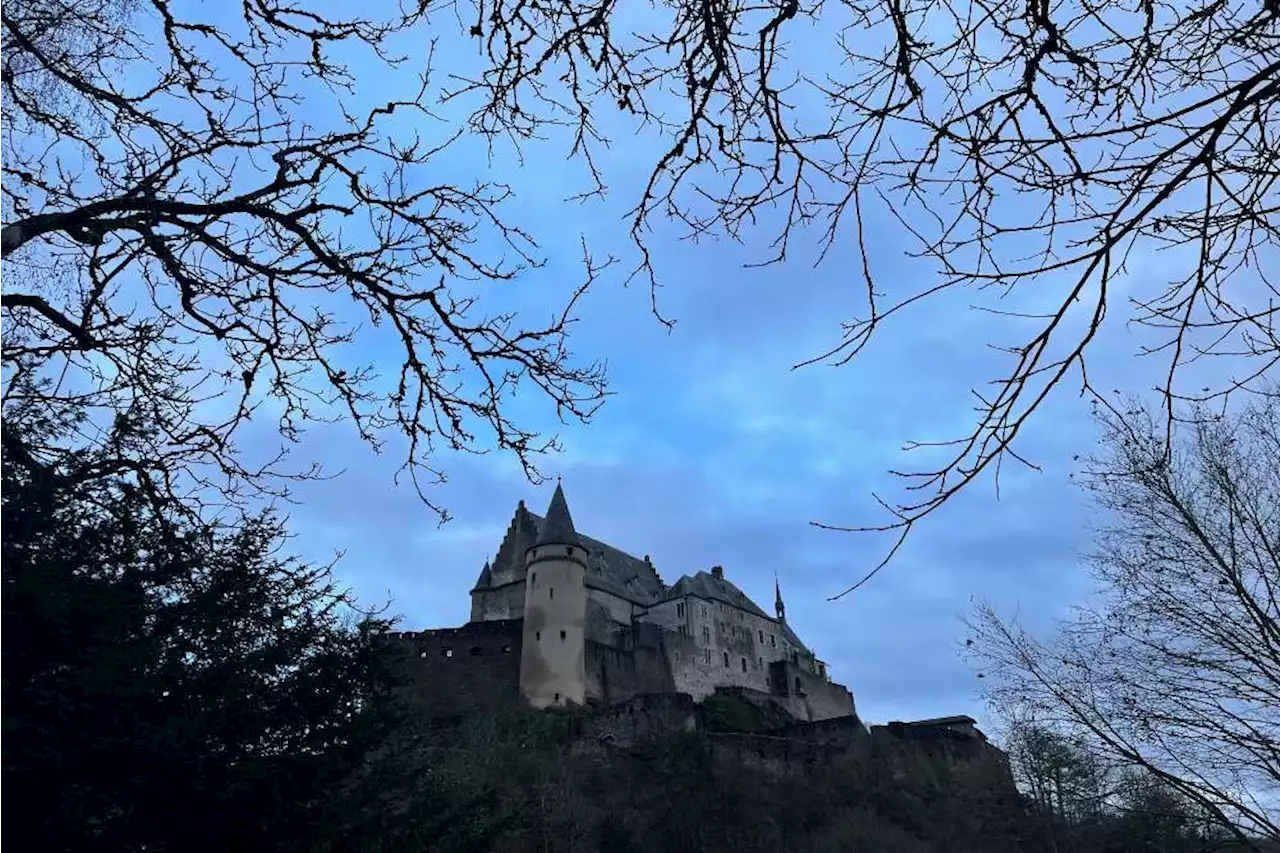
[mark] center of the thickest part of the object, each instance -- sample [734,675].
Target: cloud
[715,451]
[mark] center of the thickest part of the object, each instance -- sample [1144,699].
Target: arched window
[744,664]
[726,658]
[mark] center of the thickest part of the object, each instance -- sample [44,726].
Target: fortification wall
[782,754]
[607,615]
[466,670]
[809,696]
[631,721]
[938,759]
[633,663]
[498,603]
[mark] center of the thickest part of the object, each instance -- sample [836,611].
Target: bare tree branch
[1176,669]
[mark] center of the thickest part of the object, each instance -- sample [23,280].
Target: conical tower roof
[557,528]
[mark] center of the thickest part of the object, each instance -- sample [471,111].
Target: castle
[559,619]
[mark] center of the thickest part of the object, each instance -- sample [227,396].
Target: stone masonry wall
[456,671]
[632,663]
[808,696]
[498,603]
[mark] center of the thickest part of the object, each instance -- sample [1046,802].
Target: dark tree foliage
[169,686]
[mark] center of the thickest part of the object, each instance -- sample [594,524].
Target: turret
[778,606]
[552,662]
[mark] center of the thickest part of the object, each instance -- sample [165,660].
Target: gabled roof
[708,586]
[705,585]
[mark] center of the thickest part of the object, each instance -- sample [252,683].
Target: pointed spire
[557,529]
[778,606]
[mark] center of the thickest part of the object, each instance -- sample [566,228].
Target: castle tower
[778,606]
[552,669]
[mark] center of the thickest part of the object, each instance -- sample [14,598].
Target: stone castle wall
[633,662]
[498,603]
[477,666]
[455,671]
[809,696]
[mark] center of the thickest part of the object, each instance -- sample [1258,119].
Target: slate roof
[958,720]
[705,585]
[557,527]
[793,637]
[616,571]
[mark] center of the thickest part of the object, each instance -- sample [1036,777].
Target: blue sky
[713,450]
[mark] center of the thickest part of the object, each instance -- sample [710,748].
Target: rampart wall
[456,671]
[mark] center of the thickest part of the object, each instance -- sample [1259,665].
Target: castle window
[557,697]
[744,664]
[772,641]
[762,636]
[447,652]
[704,611]
[506,650]
[562,635]
[568,549]
[533,578]
[726,658]
[742,617]
[551,593]
[706,634]
[537,636]
[798,684]
[707,654]
[422,655]
[476,651]
[760,662]
[680,610]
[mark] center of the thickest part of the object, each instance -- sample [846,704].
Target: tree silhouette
[184,242]
[1174,669]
